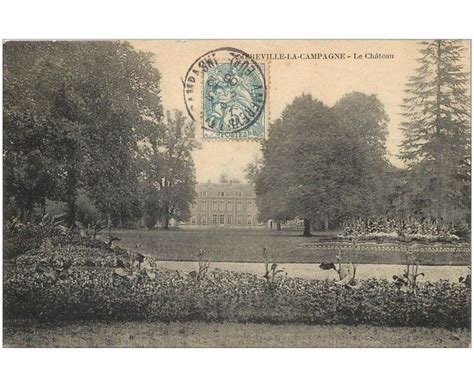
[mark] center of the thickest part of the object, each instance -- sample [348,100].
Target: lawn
[246,246]
[200,334]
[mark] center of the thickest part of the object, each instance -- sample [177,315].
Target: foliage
[135,267]
[271,272]
[408,281]
[466,280]
[52,266]
[405,230]
[363,122]
[74,114]
[437,134]
[323,164]
[346,273]
[151,212]
[87,213]
[94,289]
[21,237]
[169,174]
[225,178]
[203,265]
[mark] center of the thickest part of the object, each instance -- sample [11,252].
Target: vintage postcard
[233,193]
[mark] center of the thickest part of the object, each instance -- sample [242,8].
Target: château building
[224,205]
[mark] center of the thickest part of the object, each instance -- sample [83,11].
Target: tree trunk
[307,227]
[109,220]
[166,222]
[326,224]
[71,210]
[43,208]
[22,214]
[27,210]
[278,224]
[72,182]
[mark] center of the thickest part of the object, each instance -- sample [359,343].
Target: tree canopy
[436,129]
[74,114]
[322,164]
[169,174]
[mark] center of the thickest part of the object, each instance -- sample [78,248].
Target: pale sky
[325,79]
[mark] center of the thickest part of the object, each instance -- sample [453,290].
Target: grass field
[246,246]
[198,334]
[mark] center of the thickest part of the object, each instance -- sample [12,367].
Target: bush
[462,230]
[87,212]
[26,237]
[150,220]
[99,293]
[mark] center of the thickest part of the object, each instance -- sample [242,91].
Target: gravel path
[312,271]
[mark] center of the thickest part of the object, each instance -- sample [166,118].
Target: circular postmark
[233,90]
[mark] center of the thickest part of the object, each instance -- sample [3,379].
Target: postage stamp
[233,88]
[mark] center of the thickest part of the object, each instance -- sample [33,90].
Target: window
[214,205]
[203,205]
[221,219]
[221,206]
[193,220]
[249,204]
[229,206]
[221,194]
[203,194]
[229,220]
[239,220]
[249,219]
[239,206]
[204,219]
[238,193]
[214,219]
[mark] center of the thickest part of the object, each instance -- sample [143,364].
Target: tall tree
[323,164]
[81,108]
[270,183]
[437,140]
[297,177]
[363,122]
[170,174]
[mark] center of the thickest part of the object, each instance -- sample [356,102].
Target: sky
[325,79]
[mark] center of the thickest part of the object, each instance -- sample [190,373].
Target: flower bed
[98,293]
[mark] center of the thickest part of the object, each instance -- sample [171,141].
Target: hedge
[97,293]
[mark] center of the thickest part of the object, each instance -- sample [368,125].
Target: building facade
[224,205]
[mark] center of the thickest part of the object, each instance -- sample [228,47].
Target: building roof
[230,189]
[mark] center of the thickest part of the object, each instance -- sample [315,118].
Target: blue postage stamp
[231,104]
[233,95]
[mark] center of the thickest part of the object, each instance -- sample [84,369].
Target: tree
[295,179]
[170,174]
[268,185]
[74,114]
[437,141]
[31,159]
[323,164]
[363,123]
[224,179]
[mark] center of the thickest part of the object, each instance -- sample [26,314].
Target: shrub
[96,291]
[87,212]
[150,220]
[25,237]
